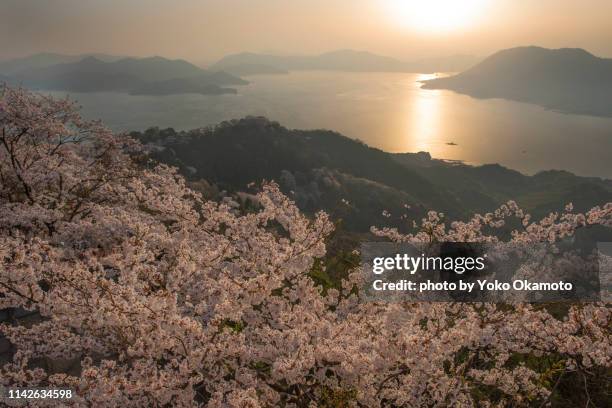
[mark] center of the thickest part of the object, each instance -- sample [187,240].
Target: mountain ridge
[145,76]
[320,168]
[344,60]
[570,80]
[43,59]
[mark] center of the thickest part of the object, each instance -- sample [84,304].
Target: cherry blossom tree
[145,294]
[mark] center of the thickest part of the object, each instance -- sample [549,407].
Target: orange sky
[205,30]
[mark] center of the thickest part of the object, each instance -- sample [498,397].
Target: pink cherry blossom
[142,293]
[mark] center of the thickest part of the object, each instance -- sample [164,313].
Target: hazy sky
[205,30]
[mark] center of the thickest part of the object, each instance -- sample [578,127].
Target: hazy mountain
[154,75]
[567,79]
[253,69]
[319,168]
[42,60]
[344,60]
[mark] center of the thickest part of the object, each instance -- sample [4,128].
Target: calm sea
[386,110]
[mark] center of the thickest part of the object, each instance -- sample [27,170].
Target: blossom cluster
[145,294]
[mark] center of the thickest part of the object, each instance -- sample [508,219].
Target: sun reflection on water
[424,118]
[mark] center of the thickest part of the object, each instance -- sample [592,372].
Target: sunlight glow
[436,15]
[424,118]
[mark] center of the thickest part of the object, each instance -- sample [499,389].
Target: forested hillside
[321,168]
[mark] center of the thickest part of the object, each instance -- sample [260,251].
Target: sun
[436,15]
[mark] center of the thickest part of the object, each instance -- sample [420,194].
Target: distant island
[248,63]
[246,69]
[569,80]
[161,76]
[46,59]
[138,76]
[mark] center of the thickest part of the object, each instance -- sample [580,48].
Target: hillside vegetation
[320,168]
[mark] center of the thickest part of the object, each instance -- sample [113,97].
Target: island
[569,80]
